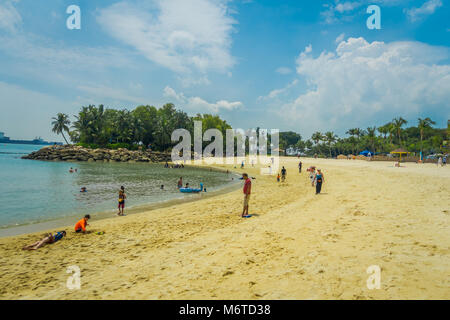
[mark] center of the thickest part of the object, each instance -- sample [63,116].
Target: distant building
[36,141]
[3,138]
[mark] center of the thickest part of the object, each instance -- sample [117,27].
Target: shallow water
[35,191]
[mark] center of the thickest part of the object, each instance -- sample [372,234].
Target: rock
[78,153]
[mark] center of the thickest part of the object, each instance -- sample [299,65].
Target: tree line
[144,126]
[421,137]
[148,126]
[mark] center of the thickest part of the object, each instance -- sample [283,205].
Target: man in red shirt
[247,191]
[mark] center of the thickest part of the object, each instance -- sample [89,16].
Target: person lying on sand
[81,225]
[49,238]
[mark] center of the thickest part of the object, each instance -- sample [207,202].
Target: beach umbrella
[366,153]
[400,152]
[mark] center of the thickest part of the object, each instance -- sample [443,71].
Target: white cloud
[347,10]
[361,81]
[340,38]
[197,104]
[32,112]
[113,95]
[10,19]
[428,8]
[275,93]
[284,70]
[183,36]
[347,6]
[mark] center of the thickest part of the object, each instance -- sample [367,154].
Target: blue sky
[290,65]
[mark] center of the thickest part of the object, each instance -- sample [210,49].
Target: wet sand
[297,246]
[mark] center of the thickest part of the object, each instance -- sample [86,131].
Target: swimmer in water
[83,189]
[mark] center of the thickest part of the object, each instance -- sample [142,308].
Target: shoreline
[68,221]
[297,245]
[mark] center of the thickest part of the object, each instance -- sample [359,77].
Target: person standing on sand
[312,174]
[319,179]
[283,174]
[300,167]
[122,197]
[247,191]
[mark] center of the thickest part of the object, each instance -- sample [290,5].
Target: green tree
[330,138]
[398,124]
[422,125]
[60,124]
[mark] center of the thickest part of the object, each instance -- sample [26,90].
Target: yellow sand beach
[297,246]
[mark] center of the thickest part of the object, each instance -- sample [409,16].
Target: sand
[298,246]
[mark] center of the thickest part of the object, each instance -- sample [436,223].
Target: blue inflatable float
[191,190]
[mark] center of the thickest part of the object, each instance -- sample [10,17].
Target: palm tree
[398,123]
[60,124]
[384,130]
[330,137]
[351,132]
[422,125]
[359,132]
[316,137]
[371,135]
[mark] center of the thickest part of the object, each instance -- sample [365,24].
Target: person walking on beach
[439,163]
[247,191]
[300,167]
[283,174]
[319,179]
[80,226]
[122,197]
[312,174]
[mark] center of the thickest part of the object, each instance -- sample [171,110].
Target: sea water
[35,191]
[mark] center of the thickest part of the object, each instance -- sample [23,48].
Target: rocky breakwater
[77,153]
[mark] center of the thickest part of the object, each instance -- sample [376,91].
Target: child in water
[122,197]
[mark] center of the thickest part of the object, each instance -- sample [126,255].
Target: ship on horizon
[35,141]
